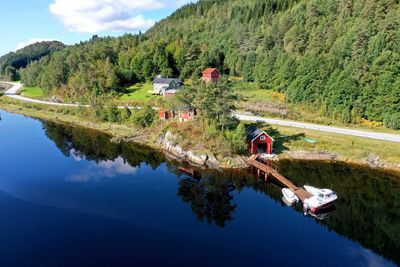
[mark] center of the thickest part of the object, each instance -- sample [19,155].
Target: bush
[144,117]
[392,121]
[125,114]
[113,114]
[211,132]
[238,139]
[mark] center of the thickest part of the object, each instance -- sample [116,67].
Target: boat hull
[319,208]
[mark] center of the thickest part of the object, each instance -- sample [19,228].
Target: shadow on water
[367,211]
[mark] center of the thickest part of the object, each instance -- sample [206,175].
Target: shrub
[144,117]
[125,114]
[101,114]
[113,114]
[211,132]
[392,121]
[238,138]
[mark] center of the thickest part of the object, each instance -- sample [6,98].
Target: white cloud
[102,169]
[32,41]
[95,16]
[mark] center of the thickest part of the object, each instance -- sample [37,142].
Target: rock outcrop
[168,143]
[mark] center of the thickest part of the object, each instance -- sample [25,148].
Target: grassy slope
[32,92]
[138,93]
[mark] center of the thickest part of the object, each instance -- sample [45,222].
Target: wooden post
[266,177]
[258,172]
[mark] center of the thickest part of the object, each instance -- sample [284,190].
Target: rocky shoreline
[167,144]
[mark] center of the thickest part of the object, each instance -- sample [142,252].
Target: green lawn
[139,93]
[261,95]
[32,92]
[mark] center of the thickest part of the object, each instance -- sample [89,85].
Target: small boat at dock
[321,199]
[289,196]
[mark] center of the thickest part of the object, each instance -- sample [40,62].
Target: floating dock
[270,169]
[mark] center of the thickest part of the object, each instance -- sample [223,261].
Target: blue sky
[71,21]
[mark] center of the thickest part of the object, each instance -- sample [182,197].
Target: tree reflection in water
[96,146]
[368,208]
[210,198]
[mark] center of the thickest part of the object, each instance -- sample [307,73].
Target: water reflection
[94,146]
[210,198]
[106,168]
[368,209]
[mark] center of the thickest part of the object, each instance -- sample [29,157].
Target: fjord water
[71,197]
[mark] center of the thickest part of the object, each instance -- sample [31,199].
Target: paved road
[14,89]
[13,93]
[322,128]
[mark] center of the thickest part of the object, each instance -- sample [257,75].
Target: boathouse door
[262,148]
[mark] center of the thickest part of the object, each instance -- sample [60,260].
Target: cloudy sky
[70,21]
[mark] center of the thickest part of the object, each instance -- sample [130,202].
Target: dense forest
[13,61]
[341,55]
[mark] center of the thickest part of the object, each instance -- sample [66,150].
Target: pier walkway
[269,169]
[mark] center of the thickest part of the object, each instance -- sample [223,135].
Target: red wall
[253,149]
[214,75]
[185,114]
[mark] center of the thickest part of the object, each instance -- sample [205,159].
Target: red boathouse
[259,142]
[211,75]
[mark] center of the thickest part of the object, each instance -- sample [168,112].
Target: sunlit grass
[32,92]
[139,93]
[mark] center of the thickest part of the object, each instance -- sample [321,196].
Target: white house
[161,85]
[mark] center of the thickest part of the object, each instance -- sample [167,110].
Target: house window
[262,138]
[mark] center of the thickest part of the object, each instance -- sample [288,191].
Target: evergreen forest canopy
[341,55]
[13,61]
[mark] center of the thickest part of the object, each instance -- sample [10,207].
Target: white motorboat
[289,196]
[321,199]
[312,190]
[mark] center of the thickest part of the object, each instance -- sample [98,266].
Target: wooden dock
[270,169]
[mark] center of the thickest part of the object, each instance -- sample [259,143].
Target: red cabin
[165,115]
[259,142]
[211,75]
[186,114]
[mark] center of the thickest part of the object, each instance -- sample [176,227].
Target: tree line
[14,61]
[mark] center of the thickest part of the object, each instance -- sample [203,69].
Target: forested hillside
[13,61]
[342,55]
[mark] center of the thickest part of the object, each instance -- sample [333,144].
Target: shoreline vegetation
[290,143]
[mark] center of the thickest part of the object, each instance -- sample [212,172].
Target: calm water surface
[70,197]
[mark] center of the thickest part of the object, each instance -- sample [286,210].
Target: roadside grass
[32,92]
[261,95]
[349,148]
[138,93]
[298,112]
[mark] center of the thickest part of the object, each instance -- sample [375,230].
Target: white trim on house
[263,132]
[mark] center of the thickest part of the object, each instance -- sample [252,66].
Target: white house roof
[167,80]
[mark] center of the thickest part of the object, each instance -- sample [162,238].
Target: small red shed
[259,141]
[211,75]
[186,114]
[165,115]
